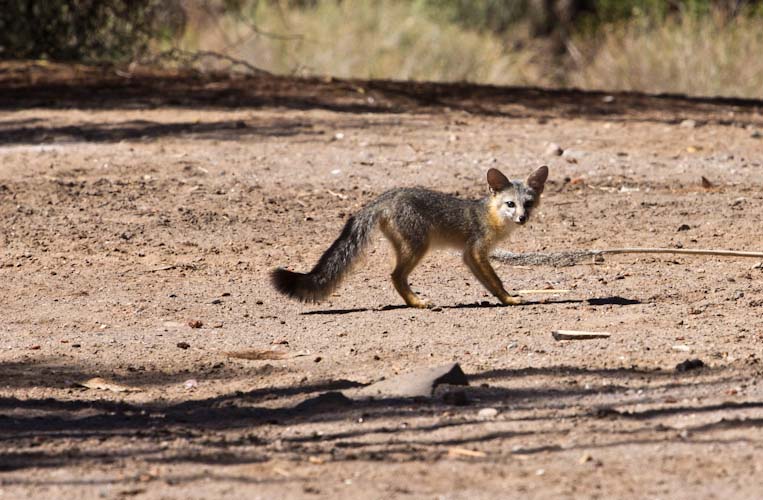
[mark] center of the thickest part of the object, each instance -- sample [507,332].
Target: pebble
[689,364]
[487,413]
[554,149]
[573,155]
[689,124]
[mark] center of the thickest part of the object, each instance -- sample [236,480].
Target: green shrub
[85,30]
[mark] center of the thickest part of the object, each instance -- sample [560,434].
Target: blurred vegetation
[86,30]
[690,46]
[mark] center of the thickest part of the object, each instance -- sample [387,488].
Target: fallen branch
[190,59]
[573,257]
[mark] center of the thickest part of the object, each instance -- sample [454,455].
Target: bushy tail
[333,264]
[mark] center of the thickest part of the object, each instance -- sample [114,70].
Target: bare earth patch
[140,215]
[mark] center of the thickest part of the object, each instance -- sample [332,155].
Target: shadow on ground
[230,429]
[27,85]
[599,301]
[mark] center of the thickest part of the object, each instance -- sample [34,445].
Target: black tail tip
[294,285]
[285,281]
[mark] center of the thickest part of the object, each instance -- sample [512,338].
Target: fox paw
[420,304]
[511,300]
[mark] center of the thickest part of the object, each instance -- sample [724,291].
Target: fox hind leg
[408,252]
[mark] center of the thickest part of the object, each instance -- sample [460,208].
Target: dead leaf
[102,384]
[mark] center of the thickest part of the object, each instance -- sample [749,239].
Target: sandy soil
[131,204]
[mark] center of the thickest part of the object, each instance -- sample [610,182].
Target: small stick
[337,195]
[465,452]
[687,251]
[163,268]
[577,335]
[573,257]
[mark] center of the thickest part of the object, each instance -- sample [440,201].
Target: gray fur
[414,219]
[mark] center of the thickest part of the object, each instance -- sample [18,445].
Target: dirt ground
[133,203]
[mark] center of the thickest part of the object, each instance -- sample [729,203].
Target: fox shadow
[614,300]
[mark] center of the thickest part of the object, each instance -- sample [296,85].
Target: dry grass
[694,56]
[399,40]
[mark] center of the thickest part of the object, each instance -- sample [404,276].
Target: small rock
[689,124]
[216,301]
[689,364]
[487,413]
[420,383]
[573,155]
[183,345]
[190,384]
[195,323]
[554,149]
[683,227]
[756,134]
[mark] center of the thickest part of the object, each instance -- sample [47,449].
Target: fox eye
[510,204]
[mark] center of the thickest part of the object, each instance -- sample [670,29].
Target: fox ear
[497,181]
[537,179]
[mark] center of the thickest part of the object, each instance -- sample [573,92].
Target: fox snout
[520,219]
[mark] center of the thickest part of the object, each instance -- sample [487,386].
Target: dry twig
[573,257]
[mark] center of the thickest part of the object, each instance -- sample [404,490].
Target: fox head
[515,200]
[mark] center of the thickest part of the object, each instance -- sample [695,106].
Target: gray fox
[414,220]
